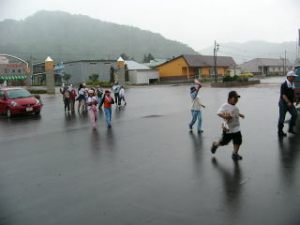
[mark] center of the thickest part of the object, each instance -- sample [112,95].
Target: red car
[16,101]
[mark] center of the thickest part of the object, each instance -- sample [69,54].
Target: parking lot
[149,169]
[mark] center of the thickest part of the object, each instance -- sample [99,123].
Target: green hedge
[37,91]
[98,82]
[235,78]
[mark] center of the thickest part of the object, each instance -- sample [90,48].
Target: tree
[124,56]
[94,77]
[145,60]
[148,58]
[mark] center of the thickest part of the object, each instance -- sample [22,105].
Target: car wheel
[8,113]
[37,113]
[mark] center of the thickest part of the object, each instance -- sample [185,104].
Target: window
[1,94]
[19,71]
[18,93]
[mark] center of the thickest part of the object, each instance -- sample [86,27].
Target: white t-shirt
[93,100]
[122,92]
[234,123]
[196,104]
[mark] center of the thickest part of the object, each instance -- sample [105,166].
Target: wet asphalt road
[148,169]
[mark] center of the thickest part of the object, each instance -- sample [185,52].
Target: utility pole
[281,58]
[216,48]
[31,69]
[284,68]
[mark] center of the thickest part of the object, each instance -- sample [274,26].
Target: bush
[98,82]
[244,77]
[37,91]
[247,75]
[229,78]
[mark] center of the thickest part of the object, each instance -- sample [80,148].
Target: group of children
[230,114]
[91,100]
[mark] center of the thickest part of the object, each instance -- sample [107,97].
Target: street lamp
[216,48]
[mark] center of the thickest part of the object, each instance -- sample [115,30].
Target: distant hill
[242,52]
[71,37]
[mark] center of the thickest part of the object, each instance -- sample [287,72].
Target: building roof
[120,59]
[91,61]
[269,62]
[205,60]
[132,65]
[155,62]
[48,59]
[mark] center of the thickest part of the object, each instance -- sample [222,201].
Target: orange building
[194,66]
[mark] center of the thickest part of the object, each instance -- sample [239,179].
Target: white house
[140,74]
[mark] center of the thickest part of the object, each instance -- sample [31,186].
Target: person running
[92,107]
[286,104]
[196,108]
[107,101]
[122,95]
[230,114]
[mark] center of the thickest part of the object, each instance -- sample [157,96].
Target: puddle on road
[152,116]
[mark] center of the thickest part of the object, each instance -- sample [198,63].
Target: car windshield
[18,93]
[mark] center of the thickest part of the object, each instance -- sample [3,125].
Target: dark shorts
[235,137]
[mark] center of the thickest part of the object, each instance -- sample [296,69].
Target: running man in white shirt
[229,112]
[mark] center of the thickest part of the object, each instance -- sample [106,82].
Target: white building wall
[142,76]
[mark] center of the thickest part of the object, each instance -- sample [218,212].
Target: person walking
[100,93]
[107,101]
[230,114]
[92,107]
[196,108]
[286,104]
[81,98]
[66,97]
[116,90]
[122,95]
[73,95]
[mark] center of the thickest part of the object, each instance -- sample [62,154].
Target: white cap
[291,74]
[90,91]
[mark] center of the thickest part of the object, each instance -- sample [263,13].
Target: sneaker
[281,134]
[213,148]
[200,131]
[236,157]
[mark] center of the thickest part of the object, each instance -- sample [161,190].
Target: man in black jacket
[286,104]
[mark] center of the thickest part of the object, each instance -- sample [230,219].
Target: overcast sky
[196,23]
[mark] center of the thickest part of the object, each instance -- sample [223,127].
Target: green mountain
[64,36]
[242,52]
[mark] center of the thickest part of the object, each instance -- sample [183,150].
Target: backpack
[73,93]
[66,94]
